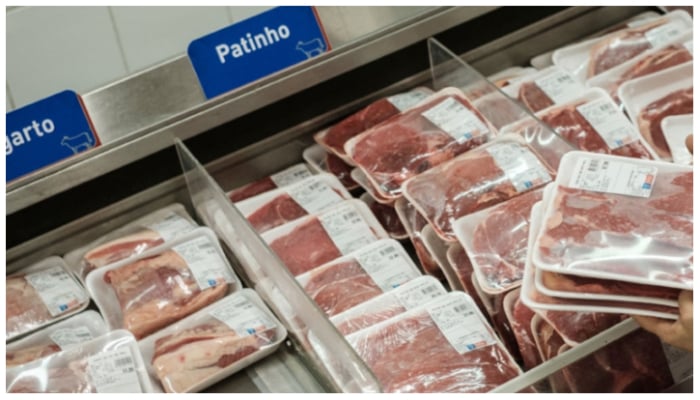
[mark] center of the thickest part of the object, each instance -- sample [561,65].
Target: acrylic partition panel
[331,356]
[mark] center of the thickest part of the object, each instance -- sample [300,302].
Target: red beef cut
[306,247]
[520,318]
[533,97]
[649,119]
[252,189]
[386,215]
[341,170]
[460,262]
[580,284]
[279,211]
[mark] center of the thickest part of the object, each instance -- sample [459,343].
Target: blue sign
[44,132]
[256,47]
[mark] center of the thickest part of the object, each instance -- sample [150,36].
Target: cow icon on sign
[80,142]
[311,48]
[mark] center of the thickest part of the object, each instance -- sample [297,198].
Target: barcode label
[611,176]
[347,229]
[559,86]
[457,120]
[404,101]
[689,46]
[387,267]
[460,323]
[417,292]
[57,290]
[314,195]
[205,262]
[523,168]
[680,362]
[293,174]
[663,34]
[241,315]
[114,372]
[609,122]
[68,337]
[172,226]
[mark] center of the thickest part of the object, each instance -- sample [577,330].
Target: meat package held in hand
[191,356]
[427,135]
[290,175]
[649,119]
[479,179]
[156,291]
[335,137]
[496,241]
[412,353]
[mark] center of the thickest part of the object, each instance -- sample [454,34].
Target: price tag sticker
[460,323]
[523,168]
[314,195]
[59,292]
[171,226]
[619,177]
[114,372]
[665,33]
[241,315]
[404,101]
[205,262]
[293,174]
[386,265]
[457,120]
[609,122]
[559,86]
[347,229]
[417,292]
[68,337]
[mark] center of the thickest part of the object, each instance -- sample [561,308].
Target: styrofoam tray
[365,184]
[676,128]
[369,200]
[315,156]
[203,316]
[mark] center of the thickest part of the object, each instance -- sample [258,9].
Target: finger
[689,142]
[652,324]
[685,308]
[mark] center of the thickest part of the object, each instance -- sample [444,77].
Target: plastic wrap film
[110,363]
[520,318]
[287,176]
[462,265]
[436,130]
[493,173]
[387,216]
[414,223]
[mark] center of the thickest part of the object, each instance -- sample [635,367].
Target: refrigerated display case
[164,143]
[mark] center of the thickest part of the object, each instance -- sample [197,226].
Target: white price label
[205,262]
[524,170]
[241,315]
[404,101]
[114,372]
[689,46]
[67,337]
[460,323]
[314,195]
[417,292]
[347,229]
[457,120]
[665,33]
[680,362]
[171,226]
[559,86]
[618,177]
[386,265]
[296,173]
[609,122]
[59,292]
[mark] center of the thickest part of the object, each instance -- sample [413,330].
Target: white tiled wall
[49,49]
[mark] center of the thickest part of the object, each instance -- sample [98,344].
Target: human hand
[689,143]
[677,333]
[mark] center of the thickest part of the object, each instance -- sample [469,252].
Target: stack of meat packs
[165,293]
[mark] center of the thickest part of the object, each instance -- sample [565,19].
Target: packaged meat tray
[131,239]
[387,216]
[333,139]
[110,363]
[361,179]
[312,241]
[361,275]
[443,346]
[462,267]
[41,294]
[506,77]
[592,122]
[519,317]
[650,99]
[438,251]
[593,57]
[212,344]
[677,52]
[323,161]
[545,88]
[414,223]
[619,218]
[60,336]
[279,206]
[676,129]
[499,170]
[408,296]
[495,240]
[148,292]
[287,176]
[441,127]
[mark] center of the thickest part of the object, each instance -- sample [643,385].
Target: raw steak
[469,183]
[460,262]
[252,189]
[119,249]
[27,354]
[341,170]
[341,286]
[194,355]
[649,119]
[620,47]
[568,122]
[157,291]
[412,355]
[306,247]
[580,284]
[396,150]
[70,379]
[499,242]
[520,318]
[278,211]
[24,309]
[583,221]
[358,323]
[533,97]
[386,215]
[549,344]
